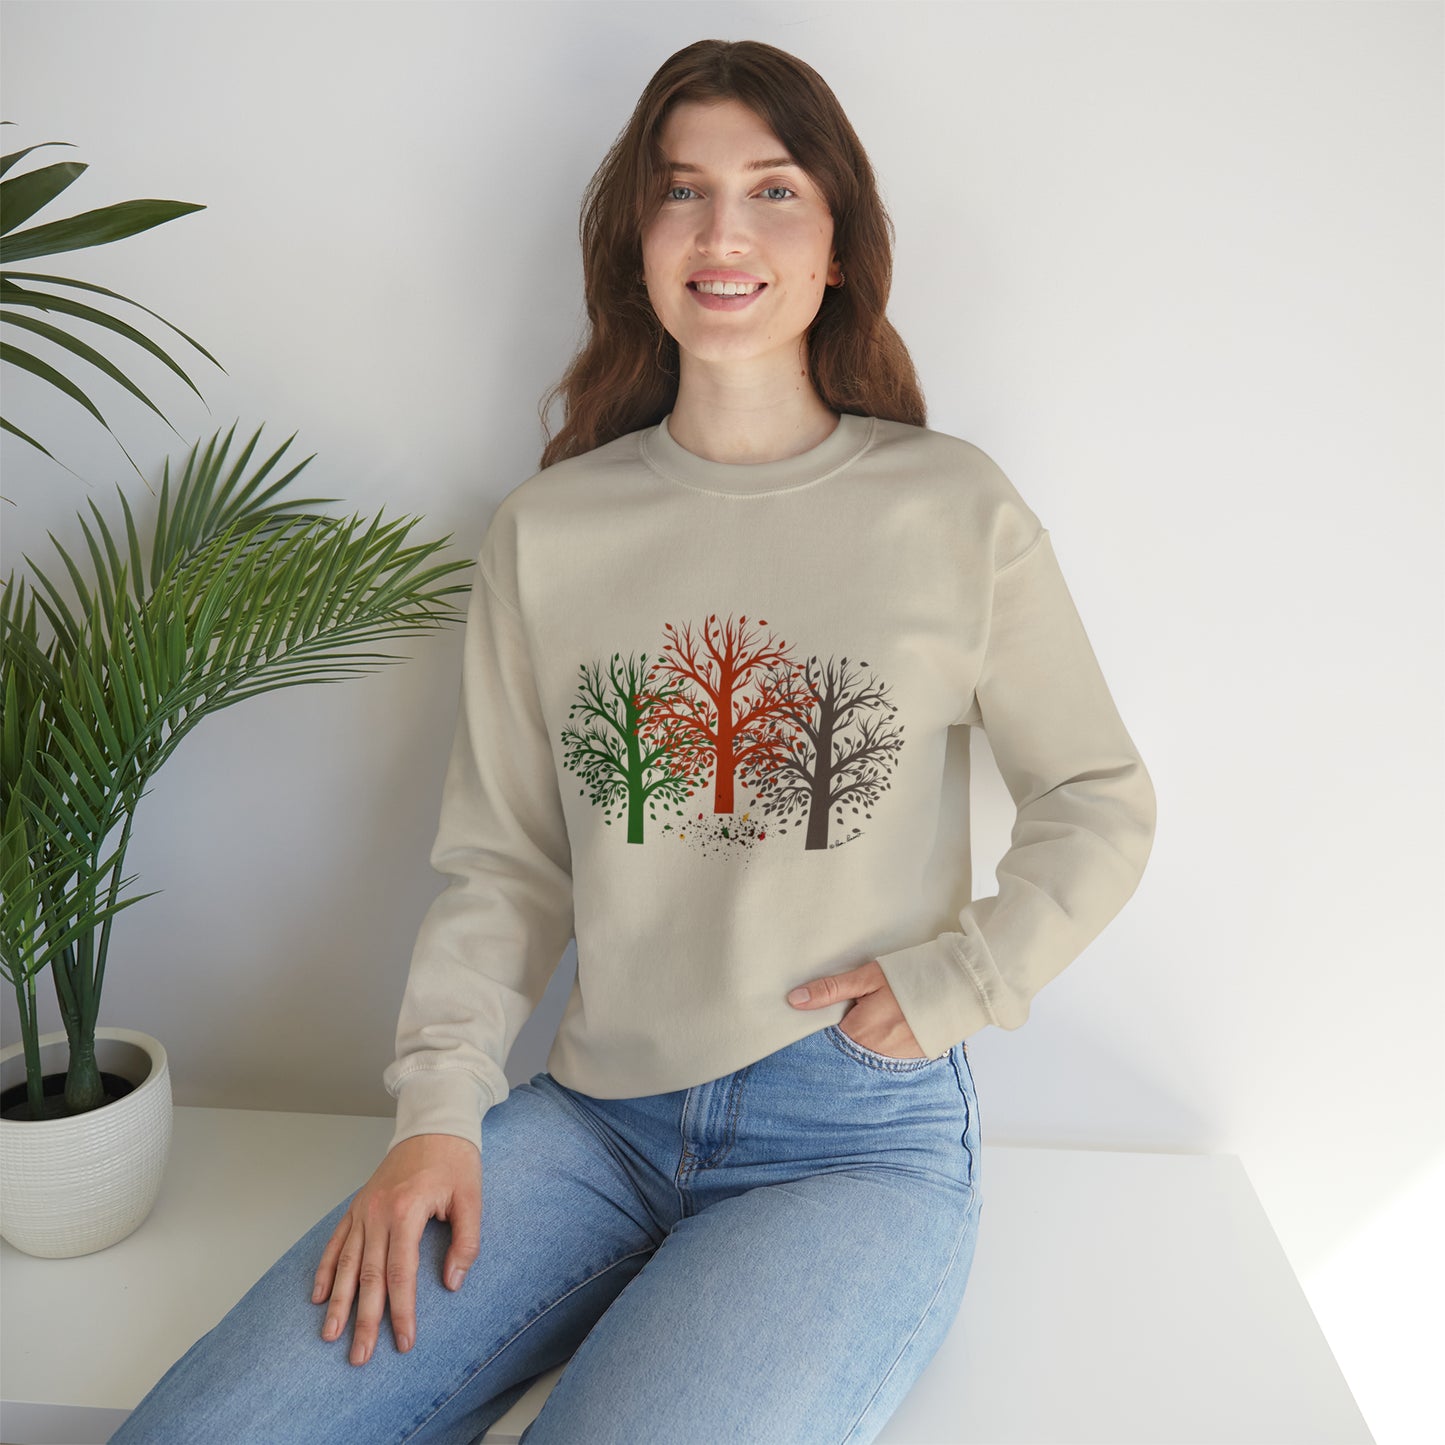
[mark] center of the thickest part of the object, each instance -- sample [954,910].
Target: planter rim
[151,1045]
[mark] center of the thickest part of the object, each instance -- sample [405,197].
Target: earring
[842,279]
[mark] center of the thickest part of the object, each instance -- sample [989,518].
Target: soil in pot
[14,1103]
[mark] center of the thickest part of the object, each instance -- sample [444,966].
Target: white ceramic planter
[72,1186]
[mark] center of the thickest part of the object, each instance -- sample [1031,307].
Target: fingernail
[330,1330]
[317,1294]
[454,1279]
[798,995]
[403,1343]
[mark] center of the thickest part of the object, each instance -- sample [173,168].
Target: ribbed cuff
[440,1101]
[938,998]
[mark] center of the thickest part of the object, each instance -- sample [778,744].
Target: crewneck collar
[843,445]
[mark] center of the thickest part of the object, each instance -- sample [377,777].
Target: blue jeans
[772,1256]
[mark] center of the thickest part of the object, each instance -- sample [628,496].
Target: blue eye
[669,194]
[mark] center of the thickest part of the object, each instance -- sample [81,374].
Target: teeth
[727,288]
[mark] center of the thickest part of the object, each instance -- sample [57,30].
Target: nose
[722,229]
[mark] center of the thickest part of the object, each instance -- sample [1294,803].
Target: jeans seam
[611,1148]
[735,1107]
[922,1320]
[591,1123]
[872,1059]
[692,1163]
[507,1344]
[970,1098]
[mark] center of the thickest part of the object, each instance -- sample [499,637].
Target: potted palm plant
[234,589]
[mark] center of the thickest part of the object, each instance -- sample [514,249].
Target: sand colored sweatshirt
[704,714]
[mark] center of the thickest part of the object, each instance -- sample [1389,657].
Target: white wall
[1175,266]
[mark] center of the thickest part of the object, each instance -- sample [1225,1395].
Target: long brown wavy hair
[625,374]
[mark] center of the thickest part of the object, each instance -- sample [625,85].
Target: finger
[371,1297]
[824,990]
[326,1269]
[343,1288]
[401,1267]
[466,1221]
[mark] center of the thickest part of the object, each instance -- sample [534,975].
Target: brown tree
[841,755]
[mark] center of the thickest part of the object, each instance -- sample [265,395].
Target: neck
[716,418]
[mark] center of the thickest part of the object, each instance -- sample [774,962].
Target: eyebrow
[768,165]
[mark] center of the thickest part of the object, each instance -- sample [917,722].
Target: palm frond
[238,591]
[20,197]
[275,598]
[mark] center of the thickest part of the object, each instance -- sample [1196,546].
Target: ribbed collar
[843,445]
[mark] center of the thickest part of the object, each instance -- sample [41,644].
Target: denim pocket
[870,1058]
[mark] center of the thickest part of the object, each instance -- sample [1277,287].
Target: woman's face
[771,223]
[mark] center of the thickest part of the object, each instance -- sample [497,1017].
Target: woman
[714,652]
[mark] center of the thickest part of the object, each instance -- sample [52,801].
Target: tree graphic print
[609,753]
[733,704]
[805,738]
[841,757]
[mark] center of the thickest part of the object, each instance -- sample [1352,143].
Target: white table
[1124,1299]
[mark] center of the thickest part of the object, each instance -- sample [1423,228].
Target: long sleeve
[487,947]
[1084,826]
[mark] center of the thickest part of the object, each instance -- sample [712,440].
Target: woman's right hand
[378,1240]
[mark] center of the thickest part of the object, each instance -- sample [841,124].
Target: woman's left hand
[877,1021]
